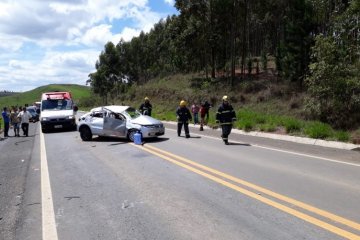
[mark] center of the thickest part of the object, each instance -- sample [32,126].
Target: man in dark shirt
[183,116]
[225,116]
[146,107]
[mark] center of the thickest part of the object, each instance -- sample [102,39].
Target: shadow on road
[154,140]
[52,131]
[240,144]
[191,136]
[118,141]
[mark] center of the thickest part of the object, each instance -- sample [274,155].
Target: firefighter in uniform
[225,116]
[146,107]
[183,116]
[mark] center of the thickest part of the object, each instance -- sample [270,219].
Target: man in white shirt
[25,116]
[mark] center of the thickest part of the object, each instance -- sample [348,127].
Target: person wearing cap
[183,116]
[146,107]
[225,116]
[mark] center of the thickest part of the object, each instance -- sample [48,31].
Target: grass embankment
[261,104]
[79,93]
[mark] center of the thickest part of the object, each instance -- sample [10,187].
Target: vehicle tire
[85,134]
[131,134]
[44,130]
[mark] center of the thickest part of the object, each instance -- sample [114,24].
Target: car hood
[57,113]
[145,120]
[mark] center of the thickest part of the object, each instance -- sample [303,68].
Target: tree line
[315,43]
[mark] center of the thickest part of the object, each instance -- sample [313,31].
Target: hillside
[262,93]
[80,94]
[6,93]
[262,103]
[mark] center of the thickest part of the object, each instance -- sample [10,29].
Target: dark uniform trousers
[184,116]
[225,116]
[186,128]
[226,130]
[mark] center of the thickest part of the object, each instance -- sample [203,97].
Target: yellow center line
[292,201]
[305,217]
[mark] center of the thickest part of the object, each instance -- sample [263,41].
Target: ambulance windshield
[56,104]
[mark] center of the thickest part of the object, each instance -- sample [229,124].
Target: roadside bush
[88,102]
[267,127]
[318,130]
[342,136]
[356,137]
[291,125]
[247,125]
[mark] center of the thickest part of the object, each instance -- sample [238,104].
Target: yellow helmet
[146,98]
[182,103]
[225,98]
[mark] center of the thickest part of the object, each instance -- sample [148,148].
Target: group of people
[225,116]
[203,110]
[16,117]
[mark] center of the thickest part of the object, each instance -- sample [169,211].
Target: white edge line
[283,151]
[49,231]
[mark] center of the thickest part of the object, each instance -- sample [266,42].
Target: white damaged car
[118,121]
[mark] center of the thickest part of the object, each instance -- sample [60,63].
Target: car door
[114,124]
[96,122]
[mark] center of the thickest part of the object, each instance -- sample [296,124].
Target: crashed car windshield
[133,113]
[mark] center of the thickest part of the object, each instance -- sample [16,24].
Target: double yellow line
[224,178]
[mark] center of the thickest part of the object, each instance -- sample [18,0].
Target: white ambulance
[57,111]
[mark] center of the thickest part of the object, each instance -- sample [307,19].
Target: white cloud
[170,2]
[54,22]
[10,43]
[55,67]
[96,36]
[56,41]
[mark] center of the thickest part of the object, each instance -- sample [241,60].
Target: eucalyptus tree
[107,74]
[333,83]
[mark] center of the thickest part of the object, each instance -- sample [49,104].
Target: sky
[58,41]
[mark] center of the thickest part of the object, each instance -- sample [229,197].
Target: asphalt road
[54,186]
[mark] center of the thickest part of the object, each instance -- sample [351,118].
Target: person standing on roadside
[25,116]
[207,111]
[183,116]
[225,116]
[202,112]
[195,111]
[146,107]
[6,116]
[15,121]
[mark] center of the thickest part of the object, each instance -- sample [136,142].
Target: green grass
[319,130]
[79,93]
[291,125]
[249,120]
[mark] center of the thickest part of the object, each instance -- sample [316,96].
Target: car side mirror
[38,111]
[76,108]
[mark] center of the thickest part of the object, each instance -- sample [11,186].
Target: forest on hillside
[315,45]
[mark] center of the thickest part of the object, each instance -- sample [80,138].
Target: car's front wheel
[85,133]
[131,134]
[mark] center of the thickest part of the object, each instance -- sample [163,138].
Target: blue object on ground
[137,138]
